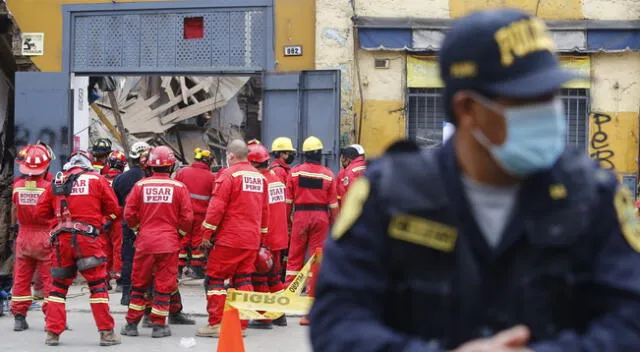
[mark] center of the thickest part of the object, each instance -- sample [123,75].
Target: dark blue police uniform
[407,267]
[122,186]
[413,273]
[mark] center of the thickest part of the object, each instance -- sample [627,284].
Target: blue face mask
[535,136]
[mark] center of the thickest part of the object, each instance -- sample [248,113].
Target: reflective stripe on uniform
[291,272]
[162,313]
[21,298]
[264,230]
[161,181]
[333,205]
[55,299]
[194,256]
[199,196]
[359,168]
[247,173]
[289,201]
[216,292]
[136,307]
[98,300]
[183,255]
[209,226]
[312,175]
[28,190]
[182,233]
[113,216]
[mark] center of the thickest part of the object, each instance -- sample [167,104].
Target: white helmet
[138,148]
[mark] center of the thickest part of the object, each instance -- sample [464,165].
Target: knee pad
[63,273]
[89,262]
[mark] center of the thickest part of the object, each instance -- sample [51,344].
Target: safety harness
[63,187]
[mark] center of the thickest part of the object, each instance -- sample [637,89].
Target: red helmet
[258,153]
[264,261]
[117,159]
[33,159]
[161,156]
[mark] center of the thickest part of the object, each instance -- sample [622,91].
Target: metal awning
[425,35]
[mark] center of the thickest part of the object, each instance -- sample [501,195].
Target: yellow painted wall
[295,25]
[383,119]
[547,9]
[334,50]
[613,125]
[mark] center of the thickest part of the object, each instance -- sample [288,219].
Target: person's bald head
[237,151]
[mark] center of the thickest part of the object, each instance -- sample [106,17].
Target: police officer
[122,185]
[503,239]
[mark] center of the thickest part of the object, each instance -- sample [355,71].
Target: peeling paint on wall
[336,35]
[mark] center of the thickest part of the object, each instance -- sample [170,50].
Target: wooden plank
[192,110]
[106,121]
[183,91]
[164,107]
[116,114]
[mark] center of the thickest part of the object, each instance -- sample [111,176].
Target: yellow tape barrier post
[274,310]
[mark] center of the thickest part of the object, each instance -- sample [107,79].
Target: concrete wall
[295,25]
[615,94]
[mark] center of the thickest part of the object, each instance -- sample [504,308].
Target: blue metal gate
[303,104]
[42,112]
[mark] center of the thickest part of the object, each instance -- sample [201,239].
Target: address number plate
[294,50]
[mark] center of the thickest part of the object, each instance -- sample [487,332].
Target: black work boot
[109,338]
[126,298]
[20,323]
[131,329]
[160,331]
[282,321]
[260,324]
[180,318]
[197,273]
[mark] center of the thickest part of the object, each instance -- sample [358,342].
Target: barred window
[426,115]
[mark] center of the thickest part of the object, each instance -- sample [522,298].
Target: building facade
[387,52]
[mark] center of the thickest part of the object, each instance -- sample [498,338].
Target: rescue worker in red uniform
[283,154]
[161,208]
[277,239]
[236,217]
[353,163]
[32,244]
[112,234]
[100,151]
[199,181]
[79,199]
[312,196]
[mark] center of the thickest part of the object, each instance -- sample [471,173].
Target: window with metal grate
[425,116]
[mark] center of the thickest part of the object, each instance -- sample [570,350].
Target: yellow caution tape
[293,290]
[269,302]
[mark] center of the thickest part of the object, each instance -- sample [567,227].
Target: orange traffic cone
[230,332]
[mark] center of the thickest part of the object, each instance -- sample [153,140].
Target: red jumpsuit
[112,239]
[312,192]
[161,208]
[199,181]
[90,201]
[33,247]
[281,169]
[277,239]
[350,174]
[238,214]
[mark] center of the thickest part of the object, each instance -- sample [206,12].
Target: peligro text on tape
[269,302]
[295,287]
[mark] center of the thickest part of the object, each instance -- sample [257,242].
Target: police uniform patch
[626,212]
[351,207]
[424,232]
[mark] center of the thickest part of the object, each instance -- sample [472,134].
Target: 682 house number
[293,50]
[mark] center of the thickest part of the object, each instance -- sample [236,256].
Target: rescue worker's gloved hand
[107,226]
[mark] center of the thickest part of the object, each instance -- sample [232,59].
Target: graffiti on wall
[599,141]
[57,140]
